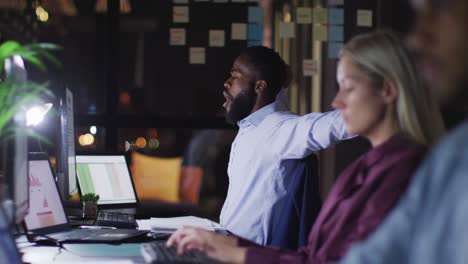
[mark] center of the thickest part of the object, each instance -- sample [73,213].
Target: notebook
[108,176]
[46,219]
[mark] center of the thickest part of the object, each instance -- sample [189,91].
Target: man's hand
[220,247]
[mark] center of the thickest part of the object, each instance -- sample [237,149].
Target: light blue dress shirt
[265,158]
[430,224]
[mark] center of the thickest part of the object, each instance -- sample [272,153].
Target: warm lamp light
[36,114]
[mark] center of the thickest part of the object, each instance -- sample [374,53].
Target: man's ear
[260,87]
[390,90]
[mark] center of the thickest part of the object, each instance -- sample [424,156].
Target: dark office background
[130,83]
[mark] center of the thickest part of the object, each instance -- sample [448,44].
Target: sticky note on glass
[304,15]
[309,67]
[177,36]
[239,31]
[335,2]
[334,49]
[320,15]
[335,16]
[255,15]
[180,14]
[180,1]
[197,56]
[254,32]
[319,32]
[251,43]
[364,18]
[336,33]
[287,30]
[216,38]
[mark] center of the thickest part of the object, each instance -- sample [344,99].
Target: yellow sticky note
[239,31]
[304,15]
[309,67]
[180,14]
[364,18]
[177,36]
[197,56]
[320,32]
[216,38]
[287,30]
[320,15]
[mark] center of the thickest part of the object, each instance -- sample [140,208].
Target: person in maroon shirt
[380,98]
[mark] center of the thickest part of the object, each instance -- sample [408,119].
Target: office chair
[302,207]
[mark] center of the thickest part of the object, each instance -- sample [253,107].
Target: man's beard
[241,106]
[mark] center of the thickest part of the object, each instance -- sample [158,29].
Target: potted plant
[89,202]
[15,94]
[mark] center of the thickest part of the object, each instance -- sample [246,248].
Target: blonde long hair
[383,56]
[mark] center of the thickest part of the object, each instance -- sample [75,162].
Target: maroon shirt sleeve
[274,255]
[241,242]
[379,205]
[385,183]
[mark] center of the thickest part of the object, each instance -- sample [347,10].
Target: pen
[97,227]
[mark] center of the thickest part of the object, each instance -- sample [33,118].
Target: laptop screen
[45,206]
[107,176]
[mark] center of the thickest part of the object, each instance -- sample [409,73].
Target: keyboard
[119,220]
[157,252]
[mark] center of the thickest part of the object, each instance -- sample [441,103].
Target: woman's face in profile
[360,103]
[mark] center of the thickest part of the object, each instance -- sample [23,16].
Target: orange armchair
[165,179]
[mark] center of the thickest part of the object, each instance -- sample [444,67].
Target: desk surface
[107,253]
[80,253]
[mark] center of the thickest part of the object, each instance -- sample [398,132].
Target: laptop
[47,220]
[108,176]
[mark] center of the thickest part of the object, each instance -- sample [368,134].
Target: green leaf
[9,48]
[89,197]
[44,46]
[15,95]
[33,58]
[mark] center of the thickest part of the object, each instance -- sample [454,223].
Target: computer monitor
[15,151]
[108,176]
[66,169]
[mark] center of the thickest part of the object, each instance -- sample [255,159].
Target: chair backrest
[190,183]
[156,178]
[302,207]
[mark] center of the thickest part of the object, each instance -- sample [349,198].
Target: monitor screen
[107,176]
[66,169]
[46,208]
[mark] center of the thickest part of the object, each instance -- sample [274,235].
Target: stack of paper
[169,225]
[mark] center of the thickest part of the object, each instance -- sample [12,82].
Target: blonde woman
[381,99]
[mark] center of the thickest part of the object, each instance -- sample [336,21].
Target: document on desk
[170,224]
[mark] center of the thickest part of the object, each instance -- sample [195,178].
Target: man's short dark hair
[269,66]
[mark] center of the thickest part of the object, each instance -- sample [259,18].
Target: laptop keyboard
[119,220]
[157,252]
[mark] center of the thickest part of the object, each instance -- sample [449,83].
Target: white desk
[80,253]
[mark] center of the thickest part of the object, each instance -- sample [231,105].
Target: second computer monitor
[66,172]
[108,176]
